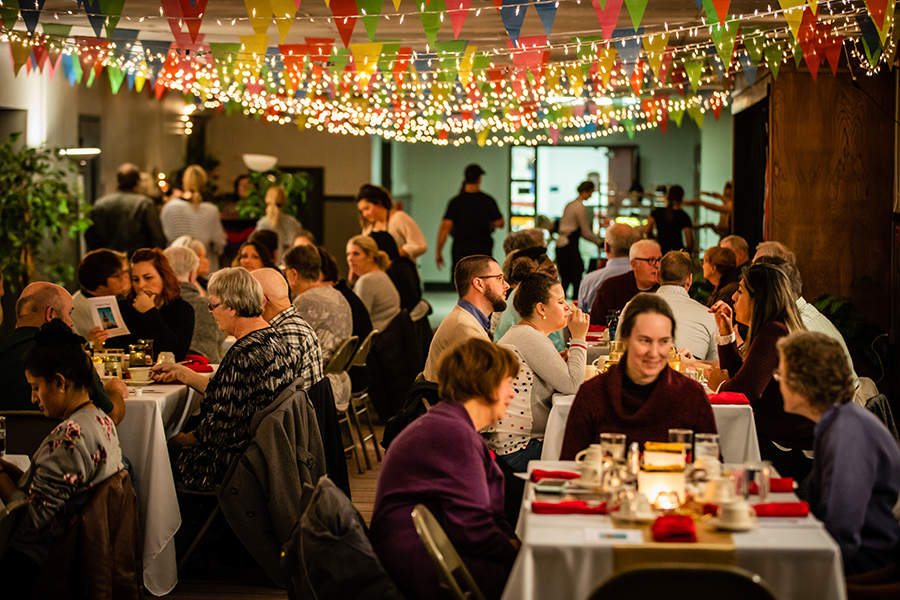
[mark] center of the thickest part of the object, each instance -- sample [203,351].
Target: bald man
[297,334]
[619,239]
[40,303]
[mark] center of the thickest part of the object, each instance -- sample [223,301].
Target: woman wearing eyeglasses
[254,371]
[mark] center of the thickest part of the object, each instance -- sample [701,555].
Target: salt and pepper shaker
[634,458]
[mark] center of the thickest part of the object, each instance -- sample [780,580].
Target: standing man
[471,218]
[619,239]
[126,219]
[616,291]
[574,225]
[482,291]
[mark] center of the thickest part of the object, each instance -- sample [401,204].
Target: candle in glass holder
[653,481]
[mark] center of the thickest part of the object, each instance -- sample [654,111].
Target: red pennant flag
[716,105]
[806,38]
[294,58]
[319,50]
[459,10]
[665,66]
[39,51]
[637,76]
[185,13]
[833,52]
[662,102]
[401,64]
[345,16]
[678,78]
[721,9]
[608,16]
[877,10]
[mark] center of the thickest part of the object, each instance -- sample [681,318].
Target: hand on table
[167,372]
[686,353]
[716,377]
[143,301]
[723,314]
[579,322]
[116,386]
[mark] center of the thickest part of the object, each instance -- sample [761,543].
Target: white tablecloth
[149,421]
[734,422]
[796,557]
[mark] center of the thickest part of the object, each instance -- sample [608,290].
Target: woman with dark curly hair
[154,309]
[253,255]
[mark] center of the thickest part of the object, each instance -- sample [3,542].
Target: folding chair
[340,362]
[452,572]
[359,401]
[9,518]
[684,581]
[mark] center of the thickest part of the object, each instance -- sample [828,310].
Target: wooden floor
[226,583]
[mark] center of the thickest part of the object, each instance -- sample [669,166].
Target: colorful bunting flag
[629,48]
[345,15]
[31,13]
[723,37]
[9,13]
[871,39]
[368,11]
[793,13]
[458,11]
[607,15]
[694,70]
[547,12]
[636,11]
[654,47]
[512,12]
[284,12]
[774,54]
[877,11]
[748,65]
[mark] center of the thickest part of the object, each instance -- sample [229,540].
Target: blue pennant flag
[748,65]
[512,12]
[547,12]
[68,64]
[716,62]
[629,48]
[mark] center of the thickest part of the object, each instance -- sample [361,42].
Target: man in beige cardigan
[482,290]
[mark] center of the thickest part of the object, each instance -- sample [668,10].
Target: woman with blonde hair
[190,215]
[373,286]
[286,226]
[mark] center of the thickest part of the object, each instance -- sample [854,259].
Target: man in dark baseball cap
[473,173]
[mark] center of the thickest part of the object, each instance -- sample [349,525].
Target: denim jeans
[518,461]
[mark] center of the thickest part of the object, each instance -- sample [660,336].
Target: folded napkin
[777,485]
[728,398]
[568,507]
[539,474]
[197,363]
[674,528]
[782,509]
[596,328]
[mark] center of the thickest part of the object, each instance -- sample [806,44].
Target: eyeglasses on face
[498,277]
[650,261]
[213,307]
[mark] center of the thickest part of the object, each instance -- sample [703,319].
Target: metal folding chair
[340,362]
[684,581]
[452,571]
[359,401]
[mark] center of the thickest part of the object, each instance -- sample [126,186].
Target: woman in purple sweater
[441,461]
[764,303]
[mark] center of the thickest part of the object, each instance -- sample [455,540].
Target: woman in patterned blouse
[80,453]
[256,369]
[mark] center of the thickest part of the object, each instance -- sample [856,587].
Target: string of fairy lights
[462,95]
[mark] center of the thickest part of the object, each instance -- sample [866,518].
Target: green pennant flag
[481,62]
[710,9]
[796,49]
[586,50]
[450,54]
[113,10]
[388,55]
[79,73]
[694,70]
[636,11]
[222,58]
[369,10]
[339,60]
[116,77]
[676,114]
[773,58]
[754,42]
[20,54]
[9,13]
[430,14]
[723,37]
[628,126]
[696,112]
[54,47]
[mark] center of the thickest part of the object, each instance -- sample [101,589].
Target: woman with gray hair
[256,369]
[207,339]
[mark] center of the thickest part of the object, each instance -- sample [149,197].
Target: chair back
[26,429]
[342,356]
[684,581]
[9,518]
[452,571]
[359,359]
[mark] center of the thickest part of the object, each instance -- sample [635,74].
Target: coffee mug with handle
[736,513]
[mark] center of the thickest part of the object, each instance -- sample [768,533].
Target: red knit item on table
[728,398]
[568,507]
[674,528]
[782,509]
[777,485]
[539,474]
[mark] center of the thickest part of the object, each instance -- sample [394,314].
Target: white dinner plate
[746,526]
[139,383]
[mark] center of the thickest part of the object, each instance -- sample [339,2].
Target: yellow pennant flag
[284,11]
[888,21]
[465,65]
[655,45]
[814,6]
[396,4]
[551,79]
[260,13]
[576,79]
[482,136]
[253,52]
[793,14]
[606,62]
[139,79]
[697,114]
[365,57]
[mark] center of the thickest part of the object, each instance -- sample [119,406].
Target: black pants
[571,268]
[788,464]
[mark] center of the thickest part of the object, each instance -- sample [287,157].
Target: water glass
[686,437]
[706,444]
[759,472]
[613,447]
[2,436]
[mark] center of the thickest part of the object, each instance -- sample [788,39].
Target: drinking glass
[2,436]
[613,447]
[759,472]
[706,444]
[683,436]
[674,359]
[616,350]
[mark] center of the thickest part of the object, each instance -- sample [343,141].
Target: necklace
[80,406]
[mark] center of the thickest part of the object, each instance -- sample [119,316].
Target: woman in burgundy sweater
[641,396]
[764,303]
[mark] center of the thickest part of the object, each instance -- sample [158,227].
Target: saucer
[744,526]
[641,517]
[139,383]
[587,485]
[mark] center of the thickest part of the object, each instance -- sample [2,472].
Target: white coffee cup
[590,463]
[736,513]
[140,374]
[590,372]
[719,490]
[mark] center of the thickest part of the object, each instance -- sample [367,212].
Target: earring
[544,317]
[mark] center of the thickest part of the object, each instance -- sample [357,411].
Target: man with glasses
[101,273]
[615,292]
[482,291]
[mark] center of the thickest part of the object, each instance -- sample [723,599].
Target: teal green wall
[716,164]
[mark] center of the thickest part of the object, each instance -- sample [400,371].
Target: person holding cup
[641,396]
[856,474]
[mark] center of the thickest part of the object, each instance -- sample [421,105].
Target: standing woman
[574,225]
[373,286]
[667,225]
[190,215]
[765,304]
[154,308]
[378,214]
[286,226]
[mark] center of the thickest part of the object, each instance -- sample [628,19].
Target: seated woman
[441,461]
[541,303]
[324,308]
[719,269]
[370,282]
[402,272]
[856,474]
[257,368]
[207,339]
[154,309]
[80,453]
[641,396]
[253,255]
[764,303]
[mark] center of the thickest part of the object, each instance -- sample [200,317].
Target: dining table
[571,555]
[734,422]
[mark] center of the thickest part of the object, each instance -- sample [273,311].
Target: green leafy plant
[37,210]
[296,187]
[862,337]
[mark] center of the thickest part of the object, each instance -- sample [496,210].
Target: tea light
[653,483]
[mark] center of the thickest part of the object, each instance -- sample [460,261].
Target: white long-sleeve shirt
[574,218]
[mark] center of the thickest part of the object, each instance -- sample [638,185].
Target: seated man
[207,339]
[618,242]
[101,273]
[40,303]
[616,291]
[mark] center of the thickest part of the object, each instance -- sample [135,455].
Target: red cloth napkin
[777,485]
[539,474]
[197,363]
[782,509]
[674,528]
[596,328]
[568,507]
[728,398]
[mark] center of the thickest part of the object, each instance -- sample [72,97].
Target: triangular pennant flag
[608,16]
[807,41]
[20,53]
[774,54]
[871,40]
[606,61]
[465,66]
[694,70]
[629,48]
[39,55]
[458,11]
[888,21]
[284,12]
[877,10]
[512,12]
[748,65]
[721,9]
[113,10]
[294,59]
[449,54]
[716,62]
[547,12]
[401,64]
[586,49]
[636,11]
[365,58]
[431,19]
[723,37]
[68,64]
[665,66]
[368,10]
[754,42]
[654,46]
[832,51]
[793,13]
[796,51]
[32,14]
[576,79]
[184,12]
[710,9]
[678,77]
[345,16]
[9,13]
[116,77]
[95,16]
[696,113]
[637,77]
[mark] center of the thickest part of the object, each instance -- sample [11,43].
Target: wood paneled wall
[831,162]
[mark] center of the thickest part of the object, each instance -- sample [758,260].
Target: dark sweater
[753,377]
[362,323]
[604,406]
[171,327]
[439,460]
[614,294]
